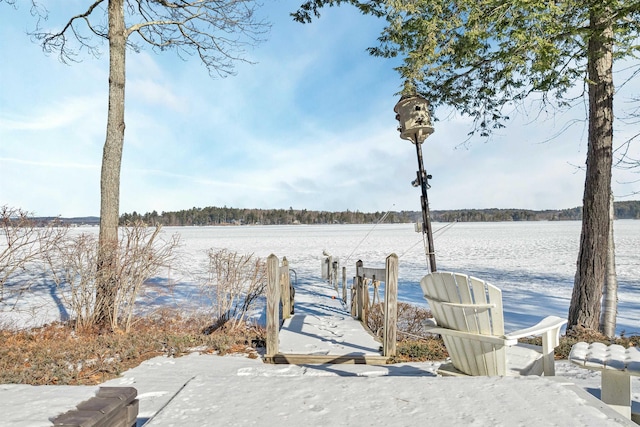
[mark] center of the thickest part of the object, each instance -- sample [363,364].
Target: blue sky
[310,125]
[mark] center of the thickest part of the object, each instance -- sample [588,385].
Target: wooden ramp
[322,331]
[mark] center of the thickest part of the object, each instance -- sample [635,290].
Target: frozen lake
[533,263]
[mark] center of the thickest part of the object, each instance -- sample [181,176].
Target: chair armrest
[549,329]
[429,322]
[547,324]
[492,339]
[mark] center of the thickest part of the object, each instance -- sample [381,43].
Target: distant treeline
[226,216]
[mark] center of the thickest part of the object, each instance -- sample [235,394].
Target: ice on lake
[533,263]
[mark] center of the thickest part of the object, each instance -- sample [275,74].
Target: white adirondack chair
[468,315]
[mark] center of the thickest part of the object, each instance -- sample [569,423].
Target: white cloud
[156,94]
[44,164]
[310,125]
[59,114]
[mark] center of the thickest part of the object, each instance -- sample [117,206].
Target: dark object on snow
[111,406]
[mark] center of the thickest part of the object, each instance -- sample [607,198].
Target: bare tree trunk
[111,162]
[610,296]
[590,273]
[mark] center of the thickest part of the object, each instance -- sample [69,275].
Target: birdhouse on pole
[415,121]
[412,112]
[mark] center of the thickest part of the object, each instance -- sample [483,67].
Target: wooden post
[354,296]
[390,306]
[334,274]
[273,305]
[285,290]
[344,284]
[365,301]
[359,294]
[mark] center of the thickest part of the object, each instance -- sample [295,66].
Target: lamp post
[415,125]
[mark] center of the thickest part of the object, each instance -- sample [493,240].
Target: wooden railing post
[365,299]
[390,306]
[285,289]
[359,291]
[273,304]
[354,296]
[326,268]
[344,284]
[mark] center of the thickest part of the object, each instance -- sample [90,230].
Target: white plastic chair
[468,315]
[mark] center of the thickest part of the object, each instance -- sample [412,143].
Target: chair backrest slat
[479,311]
[480,297]
[435,288]
[497,314]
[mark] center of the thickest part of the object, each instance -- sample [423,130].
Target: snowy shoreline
[533,266]
[532,262]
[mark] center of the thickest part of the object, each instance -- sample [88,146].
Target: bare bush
[74,267]
[410,320]
[234,284]
[142,254]
[22,242]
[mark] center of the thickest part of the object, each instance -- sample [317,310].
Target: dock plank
[323,331]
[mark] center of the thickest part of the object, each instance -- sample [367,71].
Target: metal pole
[426,220]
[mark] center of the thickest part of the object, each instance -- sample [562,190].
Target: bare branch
[22,243]
[234,284]
[59,41]
[218,31]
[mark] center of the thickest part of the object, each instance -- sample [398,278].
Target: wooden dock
[321,330]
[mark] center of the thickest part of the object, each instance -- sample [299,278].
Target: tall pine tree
[485,57]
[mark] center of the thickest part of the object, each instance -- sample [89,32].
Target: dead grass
[56,354]
[420,350]
[414,343]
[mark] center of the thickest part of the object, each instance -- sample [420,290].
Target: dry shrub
[22,242]
[420,350]
[74,265]
[234,285]
[142,254]
[410,320]
[415,344]
[57,354]
[74,261]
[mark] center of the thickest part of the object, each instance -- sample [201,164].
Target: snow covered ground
[208,390]
[533,263]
